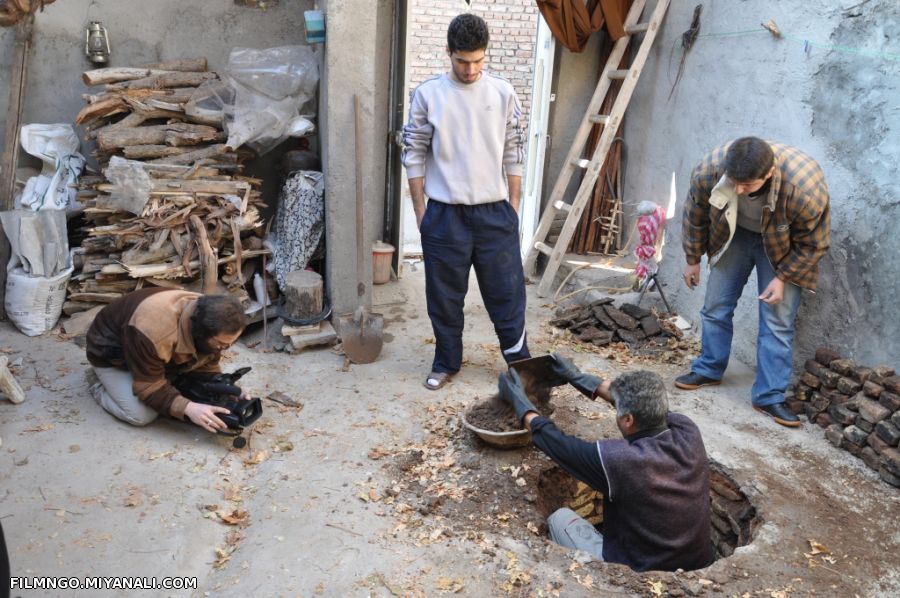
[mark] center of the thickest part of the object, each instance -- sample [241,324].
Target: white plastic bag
[57,147]
[261,99]
[34,303]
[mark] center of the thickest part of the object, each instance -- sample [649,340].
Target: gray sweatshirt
[464,138]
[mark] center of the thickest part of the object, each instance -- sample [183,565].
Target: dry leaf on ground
[257,457]
[133,498]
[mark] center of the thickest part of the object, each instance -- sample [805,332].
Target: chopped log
[116,74]
[303,292]
[170,79]
[209,268]
[102,109]
[135,256]
[207,152]
[169,270]
[151,109]
[325,336]
[8,384]
[143,152]
[95,297]
[170,134]
[194,65]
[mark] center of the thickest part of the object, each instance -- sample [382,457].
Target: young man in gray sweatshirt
[464,149]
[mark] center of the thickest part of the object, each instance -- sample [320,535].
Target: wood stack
[201,215]
[601,323]
[859,407]
[140,115]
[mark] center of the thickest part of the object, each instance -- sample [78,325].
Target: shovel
[361,331]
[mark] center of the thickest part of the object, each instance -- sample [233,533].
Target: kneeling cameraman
[139,343]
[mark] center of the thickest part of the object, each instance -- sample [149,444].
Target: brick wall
[513,25]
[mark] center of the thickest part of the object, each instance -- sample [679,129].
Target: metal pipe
[395,99]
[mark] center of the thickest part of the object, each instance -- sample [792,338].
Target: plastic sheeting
[261,96]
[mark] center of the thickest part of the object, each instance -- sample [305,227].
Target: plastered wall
[830,86]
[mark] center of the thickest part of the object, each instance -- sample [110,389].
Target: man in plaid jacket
[754,204]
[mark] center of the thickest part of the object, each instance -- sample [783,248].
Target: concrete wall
[357,59]
[835,98]
[574,81]
[139,32]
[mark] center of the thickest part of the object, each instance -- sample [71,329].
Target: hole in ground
[734,518]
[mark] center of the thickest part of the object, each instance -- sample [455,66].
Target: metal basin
[503,440]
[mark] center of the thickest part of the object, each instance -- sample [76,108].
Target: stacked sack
[858,406]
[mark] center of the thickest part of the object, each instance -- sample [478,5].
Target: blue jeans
[775,340]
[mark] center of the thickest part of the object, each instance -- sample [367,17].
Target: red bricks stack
[859,407]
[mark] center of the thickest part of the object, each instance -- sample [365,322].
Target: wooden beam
[9,159]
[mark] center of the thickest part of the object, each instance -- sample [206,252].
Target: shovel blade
[362,335]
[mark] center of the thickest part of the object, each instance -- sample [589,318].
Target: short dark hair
[216,314]
[748,159]
[467,33]
[641,393]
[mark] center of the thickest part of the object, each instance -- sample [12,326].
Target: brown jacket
[796,220]
[148,333]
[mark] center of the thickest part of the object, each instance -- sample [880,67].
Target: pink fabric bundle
[652,219]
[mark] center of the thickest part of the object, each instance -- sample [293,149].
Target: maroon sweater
[148,333]
[655,486]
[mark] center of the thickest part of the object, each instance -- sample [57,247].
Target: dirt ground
[374,488]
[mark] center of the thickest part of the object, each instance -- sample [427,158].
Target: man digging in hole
[655,482]
[139,343]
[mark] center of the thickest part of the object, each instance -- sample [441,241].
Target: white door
[537,133]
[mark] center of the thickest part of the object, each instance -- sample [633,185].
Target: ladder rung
[581,163]
[543,248]
[599,119]
[637,28]
[618,74]
[561,205]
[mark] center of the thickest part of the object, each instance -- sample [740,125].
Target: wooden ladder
[610,123]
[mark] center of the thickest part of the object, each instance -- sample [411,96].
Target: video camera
[220,390]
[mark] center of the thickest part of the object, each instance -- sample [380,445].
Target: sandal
[436,380]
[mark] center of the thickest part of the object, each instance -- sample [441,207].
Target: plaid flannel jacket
[796,223]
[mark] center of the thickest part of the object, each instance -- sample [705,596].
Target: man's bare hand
[205,416]
[692,275]
[420,214]
[774,292]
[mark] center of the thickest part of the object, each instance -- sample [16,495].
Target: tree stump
[303,292]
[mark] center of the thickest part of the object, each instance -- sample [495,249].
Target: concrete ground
[326,501]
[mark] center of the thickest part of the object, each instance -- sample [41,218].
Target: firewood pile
[601,323]
[859,407]
[201,215]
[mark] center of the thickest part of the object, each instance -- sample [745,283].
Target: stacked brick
[601,323]
[859,407]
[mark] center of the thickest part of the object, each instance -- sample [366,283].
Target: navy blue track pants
[454,239]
